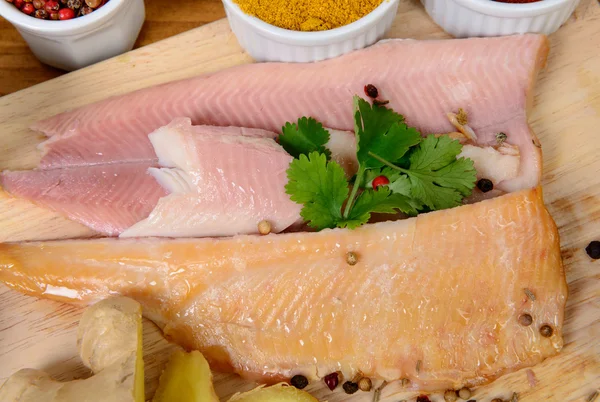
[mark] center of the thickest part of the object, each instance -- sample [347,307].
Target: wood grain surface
[19,69]
[566,117]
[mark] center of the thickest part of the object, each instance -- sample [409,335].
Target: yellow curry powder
[308,15]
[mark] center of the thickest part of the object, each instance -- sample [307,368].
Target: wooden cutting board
[566,117]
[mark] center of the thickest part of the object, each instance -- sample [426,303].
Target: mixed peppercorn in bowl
[57,9]
[82,37]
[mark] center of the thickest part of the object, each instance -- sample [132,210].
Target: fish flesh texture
[203,181]
[436,299]
[218,184]
[69,149]
[490,78]
[107,198]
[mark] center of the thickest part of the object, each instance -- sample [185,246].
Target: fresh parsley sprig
[423,173]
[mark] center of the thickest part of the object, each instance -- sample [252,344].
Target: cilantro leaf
[304,137]
[401,185]
[437,178]
[381,131]
[321,186]
[380,201]
[435,153]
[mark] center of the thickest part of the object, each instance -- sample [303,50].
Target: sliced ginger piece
[109,341]
[275,393]
[187,378]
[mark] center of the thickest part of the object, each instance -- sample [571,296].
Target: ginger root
[275,393]
[187,378]
[109,341]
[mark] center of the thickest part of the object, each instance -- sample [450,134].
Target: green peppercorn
[450,396]
[464,393]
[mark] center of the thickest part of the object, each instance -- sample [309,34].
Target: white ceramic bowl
[79,42]
[265,42]
[462,18]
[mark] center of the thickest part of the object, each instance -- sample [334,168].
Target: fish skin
[490,78]
[445,288]
[106,198]
[219,184]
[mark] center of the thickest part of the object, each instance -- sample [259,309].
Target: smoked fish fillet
[490,78]
[435,299]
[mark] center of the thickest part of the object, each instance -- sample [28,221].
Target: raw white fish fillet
[214,181]
[490,78]
[106,198]
[218,184]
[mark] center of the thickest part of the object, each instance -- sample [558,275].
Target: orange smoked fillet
[445,288]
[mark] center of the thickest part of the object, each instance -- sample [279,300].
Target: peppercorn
[93,3]
[365,384]
[66,14]
[28,8]
[264,227]
[485,185]
[464,393]
[380,181]
[331,380]
[525,320]
[546,331]
[593,249]
[299,381]
[500,138]
[450,396]
[53,15]
[350,387]
[51,5]
[85,10]
[423,398]
[41,14]
[371,91]
[74,4]
[351,258]
[39,4]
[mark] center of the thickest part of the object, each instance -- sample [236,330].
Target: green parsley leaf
[321,186]
[377,201]
[304,137]
[437,178]
[381,131]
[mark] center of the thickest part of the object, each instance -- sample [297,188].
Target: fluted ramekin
[266,42]
[464,18]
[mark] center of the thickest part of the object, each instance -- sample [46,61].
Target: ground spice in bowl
[308,15]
